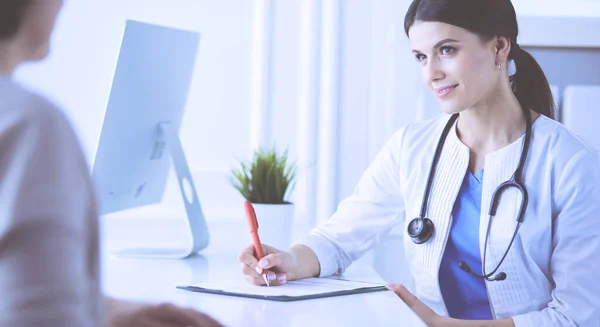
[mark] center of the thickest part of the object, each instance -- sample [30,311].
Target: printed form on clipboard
[304,289]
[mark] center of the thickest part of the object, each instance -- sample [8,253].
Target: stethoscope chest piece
[420,230]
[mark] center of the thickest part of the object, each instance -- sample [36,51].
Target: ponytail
[488,19]
[529,83]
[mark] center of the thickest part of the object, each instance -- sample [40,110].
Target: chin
[450,109]
[40,53]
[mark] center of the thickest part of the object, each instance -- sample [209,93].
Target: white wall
[378,82]
[559,8]
[78,76]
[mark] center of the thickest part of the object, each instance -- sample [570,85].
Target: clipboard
[285,298]
[351,290]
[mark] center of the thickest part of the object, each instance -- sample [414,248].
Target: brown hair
[490,18]
[11,15]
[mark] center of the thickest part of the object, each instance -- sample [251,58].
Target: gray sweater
[49,257]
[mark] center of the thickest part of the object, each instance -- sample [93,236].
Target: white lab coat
[552,267]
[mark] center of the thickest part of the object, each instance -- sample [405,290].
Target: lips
[442,91]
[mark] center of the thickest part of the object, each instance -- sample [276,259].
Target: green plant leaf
[267,178]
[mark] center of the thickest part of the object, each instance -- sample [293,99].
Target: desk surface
[154,280]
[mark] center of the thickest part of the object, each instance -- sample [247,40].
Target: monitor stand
[195,218]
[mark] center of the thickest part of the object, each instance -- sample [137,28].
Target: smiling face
[457,66]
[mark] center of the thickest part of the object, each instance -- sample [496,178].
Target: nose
[432,72]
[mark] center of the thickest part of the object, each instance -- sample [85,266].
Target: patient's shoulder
[22,110]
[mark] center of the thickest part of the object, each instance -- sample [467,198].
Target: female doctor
[500,203]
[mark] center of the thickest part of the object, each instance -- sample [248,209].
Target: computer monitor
[139,135]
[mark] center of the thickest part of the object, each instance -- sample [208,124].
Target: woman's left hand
[432,319]
[428,316]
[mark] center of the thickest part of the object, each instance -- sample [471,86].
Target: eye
[446,50]
[420,57]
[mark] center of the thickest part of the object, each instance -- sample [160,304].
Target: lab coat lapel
[450,172]
[499,167]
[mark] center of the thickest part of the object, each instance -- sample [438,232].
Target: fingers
[256,272]
[249,271]
[161,315]
[281,279]
[267,249]
[418,307]
[171,315]
[274,260]
[256,279]
[154,323]
[271,265]
[247,257]
[199,319]
[404,294]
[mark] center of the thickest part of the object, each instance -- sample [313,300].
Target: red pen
[253,224]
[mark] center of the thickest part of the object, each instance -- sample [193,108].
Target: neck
[493,123]
[8,59]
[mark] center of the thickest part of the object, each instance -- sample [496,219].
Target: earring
[499,65]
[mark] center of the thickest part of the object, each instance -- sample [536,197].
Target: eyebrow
[437,45]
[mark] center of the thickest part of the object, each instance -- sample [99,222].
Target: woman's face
[36,28]
[457,66]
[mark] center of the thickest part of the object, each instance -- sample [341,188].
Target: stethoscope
[420,229]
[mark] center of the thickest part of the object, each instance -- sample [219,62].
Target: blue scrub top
[465,295]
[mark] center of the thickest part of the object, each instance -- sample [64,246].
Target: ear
[501,48]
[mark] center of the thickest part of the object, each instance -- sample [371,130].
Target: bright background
[331,80]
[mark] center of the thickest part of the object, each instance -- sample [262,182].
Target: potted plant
[267,181]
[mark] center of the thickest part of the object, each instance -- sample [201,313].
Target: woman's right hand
[279,263]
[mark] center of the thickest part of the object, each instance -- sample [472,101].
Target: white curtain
[355,84]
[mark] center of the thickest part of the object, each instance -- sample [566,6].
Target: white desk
[155,280]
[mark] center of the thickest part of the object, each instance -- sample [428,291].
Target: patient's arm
[48,227]
[122,313]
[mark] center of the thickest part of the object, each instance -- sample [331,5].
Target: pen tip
[266,279]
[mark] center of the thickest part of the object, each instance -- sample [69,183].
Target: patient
[49,261]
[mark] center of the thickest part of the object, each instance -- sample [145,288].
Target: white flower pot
[275,224]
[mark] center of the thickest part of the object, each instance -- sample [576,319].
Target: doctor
[499,203]
[49,233]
